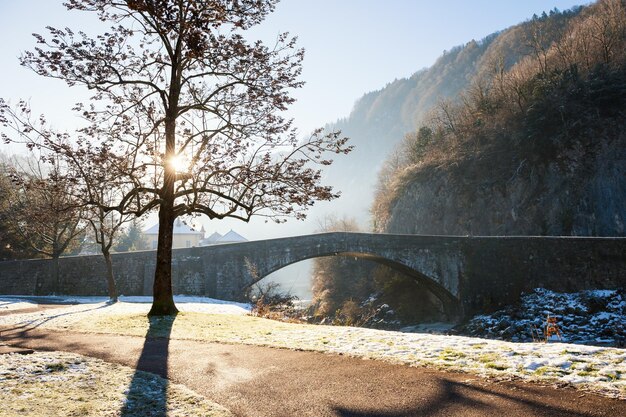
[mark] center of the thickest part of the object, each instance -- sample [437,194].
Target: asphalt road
[257,381]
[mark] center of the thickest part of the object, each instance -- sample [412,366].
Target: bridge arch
[483,273]
[451,304]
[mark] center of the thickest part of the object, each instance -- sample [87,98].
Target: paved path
[257,381]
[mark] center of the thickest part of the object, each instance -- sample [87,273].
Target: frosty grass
[598,369]
[64,384]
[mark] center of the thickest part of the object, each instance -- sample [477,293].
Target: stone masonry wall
[84,275]
[470,274]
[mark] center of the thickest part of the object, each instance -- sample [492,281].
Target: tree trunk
[56,253]
[111,286]
[163,299]
[56,274]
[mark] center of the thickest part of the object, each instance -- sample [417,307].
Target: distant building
[231,237]
[211,240]
[183,237]
[218,239]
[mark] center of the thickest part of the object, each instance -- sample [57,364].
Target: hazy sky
[352,47]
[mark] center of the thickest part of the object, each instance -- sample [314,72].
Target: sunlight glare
[179,163]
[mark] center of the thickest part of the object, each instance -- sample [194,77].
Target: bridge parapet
[469,274]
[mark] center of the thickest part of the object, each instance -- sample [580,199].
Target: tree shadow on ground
[147,395]
[22,328]
[454,397]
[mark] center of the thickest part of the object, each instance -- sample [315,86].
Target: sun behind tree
[173,78]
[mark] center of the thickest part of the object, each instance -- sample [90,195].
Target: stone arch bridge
[468,274]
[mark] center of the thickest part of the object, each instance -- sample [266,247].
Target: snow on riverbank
[596,368]
[593,317]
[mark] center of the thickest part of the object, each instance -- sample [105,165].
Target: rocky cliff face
[577,193]
[540,149]
[380,119]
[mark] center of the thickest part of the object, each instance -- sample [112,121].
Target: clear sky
[352,47]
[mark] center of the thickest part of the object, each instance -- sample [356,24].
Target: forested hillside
[521,133]
[381,119]
[535,149]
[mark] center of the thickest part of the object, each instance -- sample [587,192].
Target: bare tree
[12,244]
[538,39]
[43,210]
[337,279]
[106,226]
[187,114]
[608,28]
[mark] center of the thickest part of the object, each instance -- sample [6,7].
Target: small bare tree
[106,227]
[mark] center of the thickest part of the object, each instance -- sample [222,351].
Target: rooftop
[180,228]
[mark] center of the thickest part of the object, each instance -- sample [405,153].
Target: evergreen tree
[132,239]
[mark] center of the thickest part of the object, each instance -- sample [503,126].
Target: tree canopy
[186,116]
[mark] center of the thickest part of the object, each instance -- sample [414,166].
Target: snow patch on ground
[183,302]
[595,317]
[10,304]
